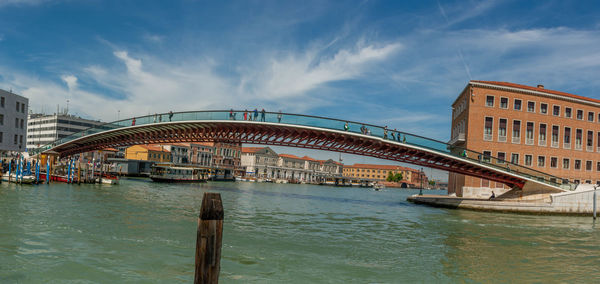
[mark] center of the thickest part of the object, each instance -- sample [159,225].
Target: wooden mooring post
[209,239]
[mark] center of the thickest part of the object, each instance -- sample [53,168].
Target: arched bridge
[284,129]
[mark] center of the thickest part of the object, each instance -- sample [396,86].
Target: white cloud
[71,81]
[22,2]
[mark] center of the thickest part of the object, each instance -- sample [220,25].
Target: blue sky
[395,63]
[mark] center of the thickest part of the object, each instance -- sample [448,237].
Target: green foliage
[432,182]
[394,178]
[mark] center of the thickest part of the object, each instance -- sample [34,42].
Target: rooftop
[536,89]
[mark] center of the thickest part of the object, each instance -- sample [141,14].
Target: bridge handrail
[322,122]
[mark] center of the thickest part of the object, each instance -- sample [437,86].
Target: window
[588,165]
[543,108]
[16,138]
[577,164]
[555,133]
[528,160]
[542,136]
[568,112]
[566,162]
[1,119]
[514,158]
[502,130]
[1,134]
[541,161]
[504,103]
[553,162]
[20,139]
[591,116]
[580,114]
[516,131]
[2,102]
[517,104]
[567,139]
[17,106]
[487,131]
[556,110]
[529,133]
[487,156]
[590,141]
[489,101]
[501,157]
[597,163]
[23,108]
[16,123]
[578,138]
[22,122]
[531,106]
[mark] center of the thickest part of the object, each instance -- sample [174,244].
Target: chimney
[540,86]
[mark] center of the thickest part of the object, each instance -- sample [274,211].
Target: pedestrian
[385,132]
[160,117]
[493,195]
[231,114]
[262,115]
[392,134]
[246,114]
[346,127]
[255,114]
[155,117]
[132,122]
[170,115]
[279,115]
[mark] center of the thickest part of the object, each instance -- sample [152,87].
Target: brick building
[550,131]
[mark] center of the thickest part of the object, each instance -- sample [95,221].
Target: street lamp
[421,177]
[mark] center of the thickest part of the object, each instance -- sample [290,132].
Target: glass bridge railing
[328,123]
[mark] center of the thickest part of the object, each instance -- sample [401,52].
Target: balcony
[578,146]
[528,141]
[501,138]
[542,142]
[567,145]
[487,137]
[554,144]
[589,148]
[460,138]
[516,140]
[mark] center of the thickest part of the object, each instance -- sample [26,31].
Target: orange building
[550,131]
[148,153]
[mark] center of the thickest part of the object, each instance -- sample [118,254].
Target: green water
[143,232]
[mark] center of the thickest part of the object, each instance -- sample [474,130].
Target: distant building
[201,155]
[148,153]
[410,176]
[13,122]
[263,162]
[226,159]
[44,129]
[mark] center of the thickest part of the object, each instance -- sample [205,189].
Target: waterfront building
[225,159]
[180,152]
[260,162]
[13,122]
[546,130]
[43,129]
[152,153]
[201,155]
[411,177]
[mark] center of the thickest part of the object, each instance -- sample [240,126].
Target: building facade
[411,177]
[13,122]
[550,131]
[226,159]
[44,129]
[148,153]
[260,162]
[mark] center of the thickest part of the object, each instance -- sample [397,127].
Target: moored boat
[169,173]
[28,179]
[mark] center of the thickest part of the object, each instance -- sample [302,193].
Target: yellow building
[376,172]
[148,153]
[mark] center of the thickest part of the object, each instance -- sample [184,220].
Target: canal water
[145,232]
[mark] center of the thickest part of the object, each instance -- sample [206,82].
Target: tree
[390,177]
[398,177]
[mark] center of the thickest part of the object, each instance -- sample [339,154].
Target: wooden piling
[209,239]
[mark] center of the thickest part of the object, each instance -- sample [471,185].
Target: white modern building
[43,129]
[13,122]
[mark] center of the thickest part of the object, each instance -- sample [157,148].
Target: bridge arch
[293,130]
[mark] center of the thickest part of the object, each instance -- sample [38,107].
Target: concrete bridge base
[578,202]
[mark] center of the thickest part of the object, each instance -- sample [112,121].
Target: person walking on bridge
[262,115]
[133,122]
[255,114]
[385,132]
[346,127]
[170,115]
[279,115]
[231,114]
[246,114]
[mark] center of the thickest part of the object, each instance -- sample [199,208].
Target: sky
[394,63]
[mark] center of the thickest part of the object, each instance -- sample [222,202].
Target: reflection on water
[141,231]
